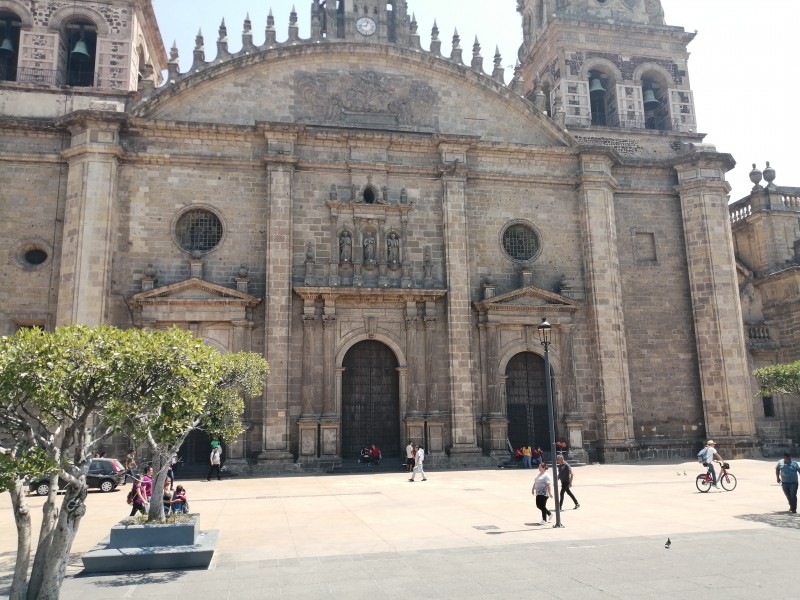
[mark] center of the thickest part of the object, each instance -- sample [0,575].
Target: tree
[779,379]
[64,393]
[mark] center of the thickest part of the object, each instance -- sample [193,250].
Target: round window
[35,257]
[33,254]
[520,242]
[198,230]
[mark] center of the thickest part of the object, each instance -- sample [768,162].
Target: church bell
[650,100]
[80,52]
[7,47]
[595,85]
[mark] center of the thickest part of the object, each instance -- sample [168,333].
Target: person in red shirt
[375,454]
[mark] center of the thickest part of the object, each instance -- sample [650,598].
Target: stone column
[613,396]
[278,307]
[328,357]
[722,358]
[416,362]
[459,315]
[90,217]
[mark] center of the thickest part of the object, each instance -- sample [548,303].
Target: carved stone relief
[365,97]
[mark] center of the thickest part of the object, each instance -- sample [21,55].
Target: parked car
[104,473]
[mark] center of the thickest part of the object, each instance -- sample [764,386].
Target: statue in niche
[393,247]
[345,247]
[369,248]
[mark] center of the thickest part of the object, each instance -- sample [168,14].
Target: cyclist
[708,455]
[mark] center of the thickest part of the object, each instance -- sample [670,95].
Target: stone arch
[601,64]
[19,9]
[75,13]
[511,350]
[647,67]
[354,338]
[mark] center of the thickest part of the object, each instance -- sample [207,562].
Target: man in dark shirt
[565,479]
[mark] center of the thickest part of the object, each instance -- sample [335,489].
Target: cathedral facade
[386,224]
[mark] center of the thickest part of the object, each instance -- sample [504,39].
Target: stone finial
[222,40]
[149,279]
[270,21]
[477,59]
[498,73]
[199,52]
[199,42]
[455,53]
[247,34]
[413,24]
[517,84]
[769,175]
[271,36]
[223,31]
[173,68]
[248,24]
[243,271]
[755,177]
[293,16]
[173,53]
[436,43]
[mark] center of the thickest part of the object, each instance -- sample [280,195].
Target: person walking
[410,456]
[708,455]
[138,500]
[565,479]
[542,490]
[147,483]
[786,474]
[130,466]
[419,459]
[215,460]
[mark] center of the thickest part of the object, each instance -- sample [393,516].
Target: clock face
[366,26]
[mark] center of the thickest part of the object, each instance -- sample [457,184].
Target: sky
[743,65]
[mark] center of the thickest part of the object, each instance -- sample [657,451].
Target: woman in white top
[543,489]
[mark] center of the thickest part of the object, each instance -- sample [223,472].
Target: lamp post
[544,338]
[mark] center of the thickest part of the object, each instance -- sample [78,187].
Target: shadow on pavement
[116,580]
[777,519]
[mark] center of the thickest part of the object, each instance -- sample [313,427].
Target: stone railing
[741,209]
[49,77]
[758,332]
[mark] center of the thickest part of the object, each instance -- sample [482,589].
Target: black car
[104,473]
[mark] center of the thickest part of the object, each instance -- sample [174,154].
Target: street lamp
[544,338]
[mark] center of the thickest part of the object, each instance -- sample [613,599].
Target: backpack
[131,496]
[702,456]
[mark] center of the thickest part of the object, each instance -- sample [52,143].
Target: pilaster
[612,392]
[722,357]
[89,217]
[280,165]
[459,316]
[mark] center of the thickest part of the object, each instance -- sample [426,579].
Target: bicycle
[704,481]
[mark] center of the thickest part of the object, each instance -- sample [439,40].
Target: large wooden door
[370,400]
[526,398]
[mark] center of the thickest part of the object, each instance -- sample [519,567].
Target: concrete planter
[152,546]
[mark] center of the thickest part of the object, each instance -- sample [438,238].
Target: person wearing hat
[708,455]
[786,473]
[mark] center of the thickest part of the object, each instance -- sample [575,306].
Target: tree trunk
[160,466]
[49,520]
[22,516]
[57,556]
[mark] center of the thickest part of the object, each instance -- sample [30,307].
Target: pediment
[527,299]
[194,291]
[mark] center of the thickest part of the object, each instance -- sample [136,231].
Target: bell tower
[606,63]
[114,45]
[368,21]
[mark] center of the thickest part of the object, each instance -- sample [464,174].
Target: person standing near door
[216,460]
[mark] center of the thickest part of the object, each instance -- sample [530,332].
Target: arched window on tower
[601,99]
[655,102]
[79,52]
[9,45]
[391,20]
[339,18]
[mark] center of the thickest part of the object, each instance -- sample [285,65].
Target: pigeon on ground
[684,472]
[668,544]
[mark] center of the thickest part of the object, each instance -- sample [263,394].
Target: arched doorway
[370,399]
[526,398]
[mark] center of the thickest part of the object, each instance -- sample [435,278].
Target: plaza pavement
[463,534]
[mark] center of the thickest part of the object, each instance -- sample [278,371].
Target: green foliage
[779,379]
[19,465]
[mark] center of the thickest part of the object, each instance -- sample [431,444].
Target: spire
[294,30]
[413,35]
[517,84]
